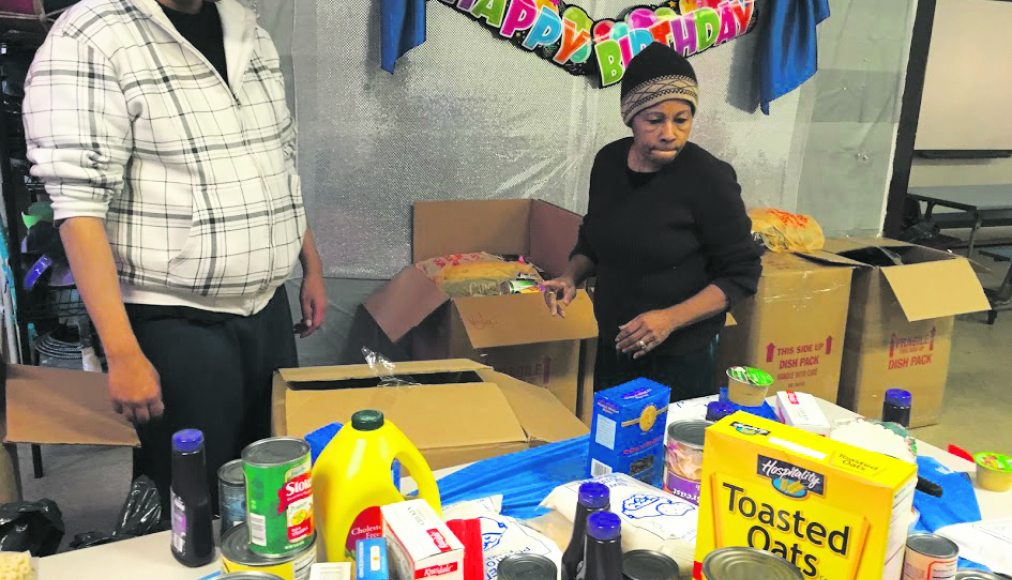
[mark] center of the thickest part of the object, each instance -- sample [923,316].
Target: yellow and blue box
[627,432]
[835,511]
[371,560]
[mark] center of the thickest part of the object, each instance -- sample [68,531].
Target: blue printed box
[371,560]
[627,434]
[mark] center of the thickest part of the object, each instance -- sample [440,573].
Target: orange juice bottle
[352,479]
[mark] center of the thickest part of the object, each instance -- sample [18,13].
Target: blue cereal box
[627,434]
[371,559]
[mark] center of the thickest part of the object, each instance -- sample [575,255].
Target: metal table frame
[948,196]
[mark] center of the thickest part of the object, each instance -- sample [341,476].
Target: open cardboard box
[461,412]
[515,333]
[794,326]
[899,329]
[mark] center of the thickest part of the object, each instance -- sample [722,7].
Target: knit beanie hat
[657,74]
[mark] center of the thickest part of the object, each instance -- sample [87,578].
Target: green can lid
[993,461]
[368,420]
[750,376]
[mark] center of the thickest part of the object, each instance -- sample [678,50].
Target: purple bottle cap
[187,440]
[594,495]
[898,397]
[604,526]
[717,410]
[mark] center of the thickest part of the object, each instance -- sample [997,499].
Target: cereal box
[835,511]
[627,433]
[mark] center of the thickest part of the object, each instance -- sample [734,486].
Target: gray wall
[468,116]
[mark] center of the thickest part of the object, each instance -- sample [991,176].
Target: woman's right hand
[559,293]
[135,388]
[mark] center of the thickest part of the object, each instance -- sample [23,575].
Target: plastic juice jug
[351,480]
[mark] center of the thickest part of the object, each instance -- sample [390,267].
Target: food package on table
[478,274]
[652,519]
[501,535]
[783,231]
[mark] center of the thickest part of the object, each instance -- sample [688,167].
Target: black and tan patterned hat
[657,74]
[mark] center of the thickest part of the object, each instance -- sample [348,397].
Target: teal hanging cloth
[402,27]
[788,47]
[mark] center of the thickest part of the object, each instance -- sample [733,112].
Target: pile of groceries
[737,496]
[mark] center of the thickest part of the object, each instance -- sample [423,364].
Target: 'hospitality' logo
[789,479]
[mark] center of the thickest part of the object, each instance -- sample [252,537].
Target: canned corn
[279,496]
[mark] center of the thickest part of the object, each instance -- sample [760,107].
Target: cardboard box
[899,331]
[777,488]
[515,333]
[802,410]
[461,412]
[628,431]
[793,328]
[59,406]
[421,546]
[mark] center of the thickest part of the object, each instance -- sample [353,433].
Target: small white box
[421,546]
[330,571]
[801,410]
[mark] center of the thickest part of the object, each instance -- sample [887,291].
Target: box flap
[363,371]
[553,235]
[831,259]
[432,416]
[498,226]
[936,289]
[523,319]
[839,245]
[542,416]
[57,406]
[404,302]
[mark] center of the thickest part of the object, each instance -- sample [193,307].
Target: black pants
[689,375]
[216,373]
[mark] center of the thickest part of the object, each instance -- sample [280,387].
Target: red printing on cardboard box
[433,571]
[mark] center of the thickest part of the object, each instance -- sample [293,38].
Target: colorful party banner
[566,35]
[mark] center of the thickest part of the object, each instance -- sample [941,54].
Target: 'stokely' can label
[279,496]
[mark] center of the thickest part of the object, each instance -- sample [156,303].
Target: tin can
[248,576]
[747,564]
[527,567]
[976,575]
[747,386]
[930,557]
[231,495]
[279,496]
[648,565]
[237,557]
[683,464]
[520,286]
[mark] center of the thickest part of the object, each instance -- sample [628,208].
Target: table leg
[929,210]
[37,461]
[1004,292]
[978,221]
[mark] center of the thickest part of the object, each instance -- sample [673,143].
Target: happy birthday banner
[567,36]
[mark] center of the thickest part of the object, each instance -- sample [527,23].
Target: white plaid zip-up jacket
[126,121]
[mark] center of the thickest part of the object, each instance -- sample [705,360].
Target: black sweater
[657,244]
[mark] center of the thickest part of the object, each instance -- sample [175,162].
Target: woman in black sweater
[667,236]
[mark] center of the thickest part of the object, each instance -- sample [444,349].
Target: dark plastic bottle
[592,498]
[604,547]
[190,501]
[896,407]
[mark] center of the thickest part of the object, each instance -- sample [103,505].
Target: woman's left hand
[645,332]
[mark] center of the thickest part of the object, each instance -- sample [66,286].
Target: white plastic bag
[652,519]
[501,535]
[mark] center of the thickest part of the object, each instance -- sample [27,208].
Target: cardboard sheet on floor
[59,406]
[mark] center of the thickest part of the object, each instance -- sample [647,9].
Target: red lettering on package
[297,489]
[433,571]
[439,540]
[797,362]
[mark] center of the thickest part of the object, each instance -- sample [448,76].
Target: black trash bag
[31,526]
[141,515]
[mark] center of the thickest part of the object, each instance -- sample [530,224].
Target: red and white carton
[421,546]
[802,410]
